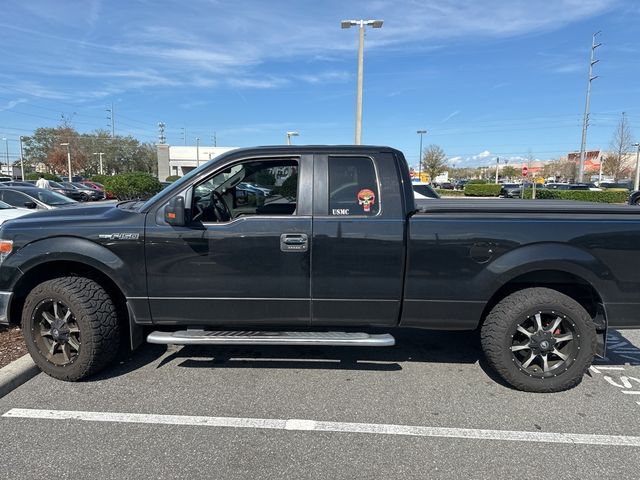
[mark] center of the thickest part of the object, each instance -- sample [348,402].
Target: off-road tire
[496,338]
[96,318]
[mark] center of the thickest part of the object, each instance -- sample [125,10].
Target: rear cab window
[353,187]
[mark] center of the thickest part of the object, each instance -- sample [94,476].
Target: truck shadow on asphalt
[411,346]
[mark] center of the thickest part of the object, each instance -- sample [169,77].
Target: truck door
[358,240]
[244,257]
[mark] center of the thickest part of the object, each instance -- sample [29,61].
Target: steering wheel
[220,207]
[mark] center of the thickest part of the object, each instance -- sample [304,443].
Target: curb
[16,373]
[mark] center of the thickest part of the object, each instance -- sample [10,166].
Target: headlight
[6,247]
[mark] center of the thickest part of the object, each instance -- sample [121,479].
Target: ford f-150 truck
[321,245]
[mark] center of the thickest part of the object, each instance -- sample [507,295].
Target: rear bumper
[5,299]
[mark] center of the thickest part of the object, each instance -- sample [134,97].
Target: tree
[620,146]
[509,171]
[434,161]
[43,147]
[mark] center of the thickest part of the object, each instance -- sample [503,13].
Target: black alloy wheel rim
[544,344]
[56,332]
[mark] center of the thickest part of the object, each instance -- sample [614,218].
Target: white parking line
[320,426]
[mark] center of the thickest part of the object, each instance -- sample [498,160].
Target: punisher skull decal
[367,199]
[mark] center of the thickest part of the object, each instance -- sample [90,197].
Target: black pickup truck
[322,245]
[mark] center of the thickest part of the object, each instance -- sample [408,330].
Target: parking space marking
[333,427]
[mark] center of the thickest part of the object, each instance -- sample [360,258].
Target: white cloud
[12,103]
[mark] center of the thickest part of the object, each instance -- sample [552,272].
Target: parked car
[541,280]
[5,179]
[626,184]
[16,183]
[569,186]
[66,191]
[459,184]
[88,193]
[34,198]
[99,186]
[510,190]
[423,191]
[9,212]
[445,185]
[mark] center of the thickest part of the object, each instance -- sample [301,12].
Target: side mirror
[30,205]
[174,212]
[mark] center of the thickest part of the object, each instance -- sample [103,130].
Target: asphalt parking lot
[426,408]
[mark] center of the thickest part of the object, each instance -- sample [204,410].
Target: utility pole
[21,160]
[497,168]
[421,133]
[112,120]
[161,137]
[197,152]
[585,121]
[361,24]
[6,146]
[184,134]
[636,184]
[68,158]
[215,139]
[100,153]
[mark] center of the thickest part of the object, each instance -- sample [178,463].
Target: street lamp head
[635,144]
[293,134]
[347,23]
[376,23]
[420,132]
[66,144]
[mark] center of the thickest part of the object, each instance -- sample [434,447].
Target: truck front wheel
[539,340]
[70,327]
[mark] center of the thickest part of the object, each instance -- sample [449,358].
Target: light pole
[636,185]
[21,160]
[361,24]
[291,134]
[421,133]
[6,150]
[497,168]
[197,152]
[100,153]
[68,157]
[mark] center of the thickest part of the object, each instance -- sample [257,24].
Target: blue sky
[485,78]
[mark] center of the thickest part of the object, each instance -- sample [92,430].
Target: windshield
[178,184]
[53,198]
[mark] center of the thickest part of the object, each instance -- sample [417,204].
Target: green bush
[100,178]
[443,192]
[477,181]
[482,190]
[605,196]
[132,186]
[36,176]
[172,178]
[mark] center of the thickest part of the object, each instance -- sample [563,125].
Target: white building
[180,160]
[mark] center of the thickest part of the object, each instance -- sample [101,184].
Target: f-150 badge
[119,236]
[367,199]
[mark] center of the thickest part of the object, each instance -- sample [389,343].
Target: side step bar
[207,337]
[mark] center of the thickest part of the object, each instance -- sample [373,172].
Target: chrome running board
[207,337]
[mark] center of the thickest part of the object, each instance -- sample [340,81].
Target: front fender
[69,248]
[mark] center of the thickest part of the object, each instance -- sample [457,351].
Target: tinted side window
[15,198]
[353,186]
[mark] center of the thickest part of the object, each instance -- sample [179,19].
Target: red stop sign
[525,170]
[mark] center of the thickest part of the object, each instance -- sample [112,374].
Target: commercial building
[180,160]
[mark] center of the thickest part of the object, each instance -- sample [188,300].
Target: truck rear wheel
[539,340]
[70,327]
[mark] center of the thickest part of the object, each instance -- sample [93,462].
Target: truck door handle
[293,242]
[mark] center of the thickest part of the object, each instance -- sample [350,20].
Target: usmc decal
[367,199]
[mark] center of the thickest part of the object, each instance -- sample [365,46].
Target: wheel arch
[48,270]
[571,284]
